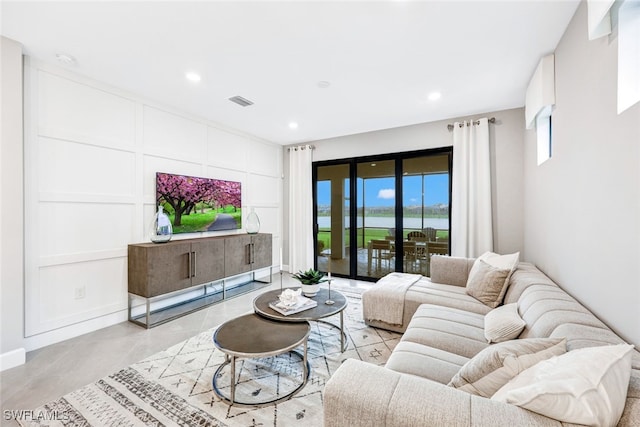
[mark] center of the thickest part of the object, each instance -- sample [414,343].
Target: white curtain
[471,220]
[300,209]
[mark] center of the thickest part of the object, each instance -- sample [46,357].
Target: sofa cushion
[425,361]
[524,276]
[545,308]
[581,336]
[449,329]
[503,323]
[487,283]
[497,364]
[450,270]
[424,291]
[585,386]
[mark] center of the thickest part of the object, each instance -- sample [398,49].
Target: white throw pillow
[505,262]
[497,364]
[584,386]
[503,323]
[489,277]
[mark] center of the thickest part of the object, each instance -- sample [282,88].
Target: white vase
[161,229]
[310,290]
[253,222]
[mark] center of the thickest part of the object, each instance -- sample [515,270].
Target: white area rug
[174,387]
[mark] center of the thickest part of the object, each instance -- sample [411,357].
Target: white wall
[506,142]
[92,152]
[12,351]
[582,207]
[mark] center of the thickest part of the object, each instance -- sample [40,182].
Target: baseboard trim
[44,339]
[13,358]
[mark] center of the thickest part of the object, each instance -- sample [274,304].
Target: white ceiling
[382,59]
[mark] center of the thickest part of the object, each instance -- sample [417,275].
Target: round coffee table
[322,310]
[252,336]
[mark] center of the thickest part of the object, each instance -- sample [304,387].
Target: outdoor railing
[365,234]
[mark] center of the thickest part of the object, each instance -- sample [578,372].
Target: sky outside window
[380,191]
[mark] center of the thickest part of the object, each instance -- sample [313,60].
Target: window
[628,55]
[603,15]
[539,103]
[543,135]
[366,208]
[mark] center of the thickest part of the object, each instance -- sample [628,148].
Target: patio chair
[430,233]
[434,248]
[380,252]
[417,236]
[410,255]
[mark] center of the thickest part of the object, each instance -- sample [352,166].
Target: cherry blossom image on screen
[199,204]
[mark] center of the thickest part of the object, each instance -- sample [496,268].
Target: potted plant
[310,281]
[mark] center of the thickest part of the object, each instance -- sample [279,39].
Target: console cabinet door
[262,250]
[207,258]
[156,269]
[237,255]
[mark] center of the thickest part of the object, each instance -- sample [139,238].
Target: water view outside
[424,203]
[324,222]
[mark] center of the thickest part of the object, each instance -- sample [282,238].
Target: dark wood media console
[161,271]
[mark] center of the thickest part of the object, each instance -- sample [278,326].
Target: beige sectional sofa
[443,329]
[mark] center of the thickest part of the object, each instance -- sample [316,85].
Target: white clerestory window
[540,100]
[622,16]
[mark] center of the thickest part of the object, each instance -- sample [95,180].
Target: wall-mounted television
[199,204]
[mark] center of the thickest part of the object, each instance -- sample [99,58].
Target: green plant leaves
[310,277]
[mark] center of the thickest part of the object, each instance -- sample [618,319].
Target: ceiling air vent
[243,102]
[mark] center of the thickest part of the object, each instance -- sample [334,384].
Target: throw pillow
[486,283]
[503,323]
[584,386]
[508,261]
[497,364]
[489,277]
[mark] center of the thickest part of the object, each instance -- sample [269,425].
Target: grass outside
[197,221]
[324,236]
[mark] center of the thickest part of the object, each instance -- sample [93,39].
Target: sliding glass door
[380,214]
[376,216]
[332,202]
[425,211]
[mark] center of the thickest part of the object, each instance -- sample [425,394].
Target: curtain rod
[302,147]
[476,122]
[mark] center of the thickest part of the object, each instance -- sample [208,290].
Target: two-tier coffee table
[253,336]
[322,310]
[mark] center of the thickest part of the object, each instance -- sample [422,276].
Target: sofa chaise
[443,329]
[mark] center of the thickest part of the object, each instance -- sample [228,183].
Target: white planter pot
[310,290]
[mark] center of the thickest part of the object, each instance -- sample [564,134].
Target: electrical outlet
[79,292]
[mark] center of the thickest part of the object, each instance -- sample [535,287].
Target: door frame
[353,207]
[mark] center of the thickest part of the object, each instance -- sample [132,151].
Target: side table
[322,310]
[252,336]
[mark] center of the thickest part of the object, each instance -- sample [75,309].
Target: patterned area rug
[174,387]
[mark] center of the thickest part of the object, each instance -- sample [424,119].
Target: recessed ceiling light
[374,164]
[434,96]
[66,59]
[293,125]
[323,84]
[194,77]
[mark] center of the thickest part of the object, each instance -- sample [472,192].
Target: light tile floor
[55,370]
